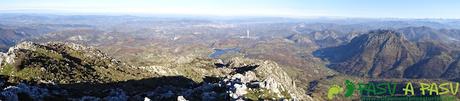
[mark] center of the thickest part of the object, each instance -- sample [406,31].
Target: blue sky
[282,8]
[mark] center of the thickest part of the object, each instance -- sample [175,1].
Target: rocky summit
[63,63]
[67,71]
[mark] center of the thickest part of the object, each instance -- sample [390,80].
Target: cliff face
[71,71]
[268,76]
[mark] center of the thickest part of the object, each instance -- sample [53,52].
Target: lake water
[219,52]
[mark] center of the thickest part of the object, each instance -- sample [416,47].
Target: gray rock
[181,98]
[10,93]
[116,95]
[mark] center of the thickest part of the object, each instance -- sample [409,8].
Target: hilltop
[71,71]
[389,54]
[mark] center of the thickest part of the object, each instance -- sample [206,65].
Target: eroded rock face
[265,75]
[243,79]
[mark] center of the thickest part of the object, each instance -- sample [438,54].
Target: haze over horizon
[285,8]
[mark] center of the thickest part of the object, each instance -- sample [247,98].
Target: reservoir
[218,52]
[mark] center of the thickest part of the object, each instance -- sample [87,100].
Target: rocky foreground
[66,71]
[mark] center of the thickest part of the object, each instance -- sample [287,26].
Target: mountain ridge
[388,54]
[72,71]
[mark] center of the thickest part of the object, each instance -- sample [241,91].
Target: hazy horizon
[447,9]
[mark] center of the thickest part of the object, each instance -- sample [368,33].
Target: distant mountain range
[391,54]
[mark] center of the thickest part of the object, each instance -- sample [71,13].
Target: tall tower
[247,33]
